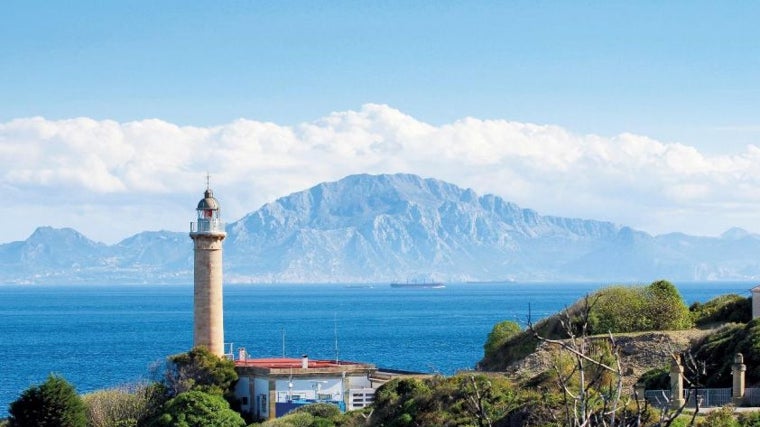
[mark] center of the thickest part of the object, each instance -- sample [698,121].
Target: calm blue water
[99,337]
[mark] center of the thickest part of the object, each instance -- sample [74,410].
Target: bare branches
[592,398]
[477,404]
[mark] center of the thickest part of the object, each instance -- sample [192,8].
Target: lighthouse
[207,233]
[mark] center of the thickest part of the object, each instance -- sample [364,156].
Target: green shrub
[658,306]
[717,352]
[666,307]
[53,403]
[749,419]
[681,421]
[451,401]
[322,422]
[117,407]
[322,410]
[730,308]
[609,314]
[198,409]
[292,419]
[723,417]
[500,333]
[615,309]
[199,370]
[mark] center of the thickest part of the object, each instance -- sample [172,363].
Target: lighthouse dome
[208,202]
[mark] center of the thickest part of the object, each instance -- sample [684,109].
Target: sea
[108,336]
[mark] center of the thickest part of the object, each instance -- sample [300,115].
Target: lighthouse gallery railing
[207,226]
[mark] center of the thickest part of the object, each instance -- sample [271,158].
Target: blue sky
[675,72]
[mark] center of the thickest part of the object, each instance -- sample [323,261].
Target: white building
[270,388]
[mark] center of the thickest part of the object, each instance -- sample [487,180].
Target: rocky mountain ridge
[381,228]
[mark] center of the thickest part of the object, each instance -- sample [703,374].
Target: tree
[658,306]
[53,403]
[500,333]
[200,370]
[666,308]
[609,315]
[198,409]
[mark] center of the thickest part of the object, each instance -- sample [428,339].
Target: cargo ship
[431,285]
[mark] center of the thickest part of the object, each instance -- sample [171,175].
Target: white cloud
[110,179]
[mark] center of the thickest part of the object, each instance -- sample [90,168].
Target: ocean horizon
[105,336]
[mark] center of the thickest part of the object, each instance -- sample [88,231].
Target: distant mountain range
[385,228]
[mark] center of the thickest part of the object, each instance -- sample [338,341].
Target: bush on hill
[519,345]
[500,333]
[665,306]
[656,307]
[619,309]
[730,308]
[615,309]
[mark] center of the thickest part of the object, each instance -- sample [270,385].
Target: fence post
[676,382]
[640,390]
[737,371]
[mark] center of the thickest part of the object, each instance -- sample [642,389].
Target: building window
[263,408]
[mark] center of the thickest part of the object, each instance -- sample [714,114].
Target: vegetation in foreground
[582,385]
[191,391]
[53,403]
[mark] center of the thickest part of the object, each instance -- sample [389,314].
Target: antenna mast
[335,331]
[283,343]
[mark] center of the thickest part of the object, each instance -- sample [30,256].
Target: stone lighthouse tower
[207,234]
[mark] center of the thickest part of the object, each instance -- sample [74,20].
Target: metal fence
[752,396]
[710,397]
[707,397]
[657,398]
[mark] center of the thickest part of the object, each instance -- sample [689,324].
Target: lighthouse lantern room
[208,215]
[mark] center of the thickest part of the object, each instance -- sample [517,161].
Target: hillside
[640,352]
[366,228]
[710,333]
